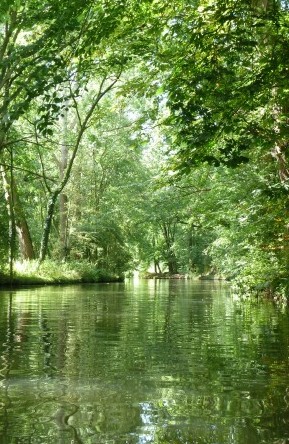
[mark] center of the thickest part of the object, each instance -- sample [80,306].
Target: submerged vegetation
[145,135]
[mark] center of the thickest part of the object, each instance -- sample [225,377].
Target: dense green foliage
[147,136]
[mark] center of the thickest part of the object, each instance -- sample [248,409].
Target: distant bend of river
[153,361]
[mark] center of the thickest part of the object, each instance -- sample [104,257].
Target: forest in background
[138,135]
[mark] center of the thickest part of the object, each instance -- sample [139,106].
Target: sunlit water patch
[143,362]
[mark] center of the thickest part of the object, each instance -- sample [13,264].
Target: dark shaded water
[143,362]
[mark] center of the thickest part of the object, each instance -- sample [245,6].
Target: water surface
[142,362]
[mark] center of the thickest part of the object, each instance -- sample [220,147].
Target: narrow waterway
[142,362]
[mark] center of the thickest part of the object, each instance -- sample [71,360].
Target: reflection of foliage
[169,362]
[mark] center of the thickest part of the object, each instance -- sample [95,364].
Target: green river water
[142,362]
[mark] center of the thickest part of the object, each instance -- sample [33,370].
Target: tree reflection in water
[153,362]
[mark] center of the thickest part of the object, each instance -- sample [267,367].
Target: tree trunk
[63,198]
[25,242]
[190,248]
[12,231]
[63,224]
[168,230]
[47,225]
[17,216]
[172,263]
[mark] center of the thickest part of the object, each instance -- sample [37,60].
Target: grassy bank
[55,273]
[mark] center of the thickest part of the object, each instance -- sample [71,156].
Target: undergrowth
[53,272]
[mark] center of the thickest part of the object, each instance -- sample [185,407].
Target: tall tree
[45,47]
[106,85]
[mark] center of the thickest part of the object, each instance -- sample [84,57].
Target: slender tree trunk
[157,267]
[47,225]
[78,173]
[63,198]
[12,226]
[190,248]
[63,224]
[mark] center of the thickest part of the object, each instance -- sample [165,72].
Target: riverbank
[150,275]
[204,277]
[56,273]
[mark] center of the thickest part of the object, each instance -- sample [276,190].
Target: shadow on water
[142,362]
